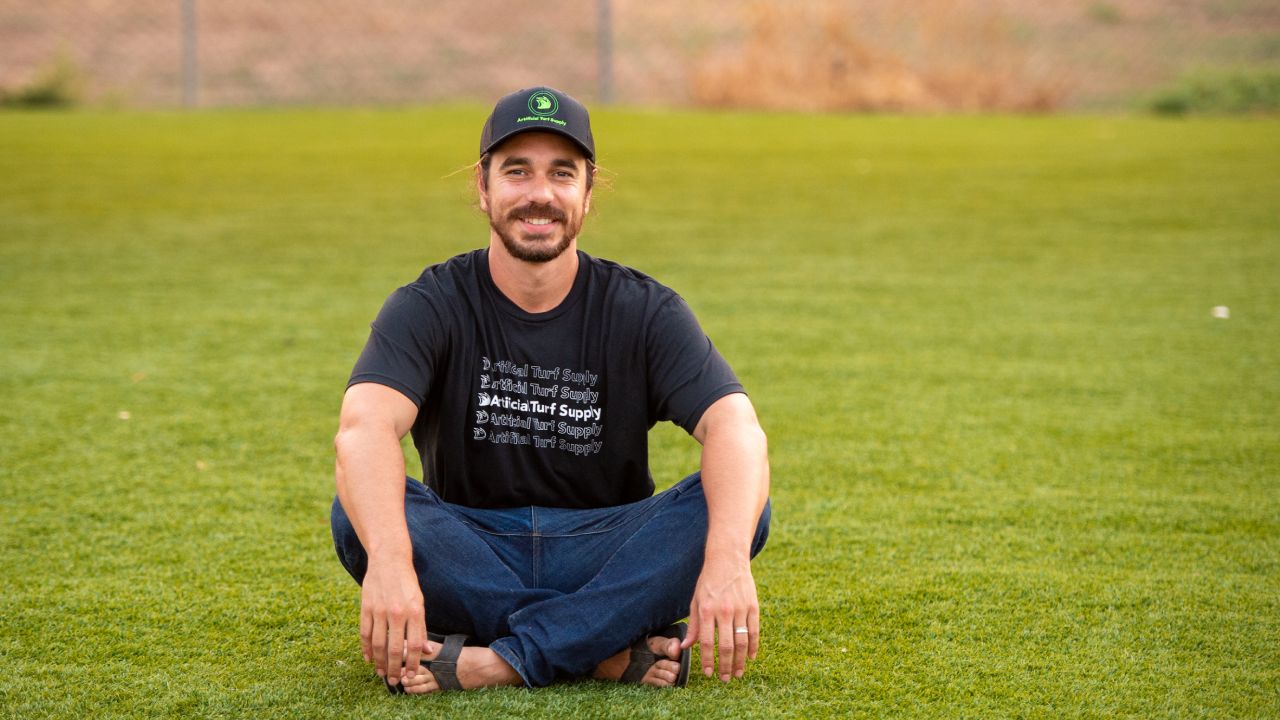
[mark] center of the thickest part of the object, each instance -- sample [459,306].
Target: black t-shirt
[550,409]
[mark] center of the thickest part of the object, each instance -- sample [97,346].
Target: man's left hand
[724,602]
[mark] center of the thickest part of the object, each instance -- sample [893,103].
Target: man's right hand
[393,623]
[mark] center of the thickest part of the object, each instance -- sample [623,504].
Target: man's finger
[691,634]
[415,644]
[395,647]
[366,634]
[724,626]
[707,640]
[740,642]
[378,646]
[753,630]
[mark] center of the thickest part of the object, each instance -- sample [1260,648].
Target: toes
[426,684]
[661,674]
[417,679]
[667,647]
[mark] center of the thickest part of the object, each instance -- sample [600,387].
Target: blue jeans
[553,591]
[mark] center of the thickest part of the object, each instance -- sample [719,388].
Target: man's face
[537,195]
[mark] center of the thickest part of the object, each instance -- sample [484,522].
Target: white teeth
[538,221]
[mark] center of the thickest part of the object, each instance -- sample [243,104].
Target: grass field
[1019,469]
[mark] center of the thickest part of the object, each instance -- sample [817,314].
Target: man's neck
[533,287]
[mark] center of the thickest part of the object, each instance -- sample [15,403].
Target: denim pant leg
[466,587]
[650,563]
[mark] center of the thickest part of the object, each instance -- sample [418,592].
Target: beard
[535,248]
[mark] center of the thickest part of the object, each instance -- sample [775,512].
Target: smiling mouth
[538,216]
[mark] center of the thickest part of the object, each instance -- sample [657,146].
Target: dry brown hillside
[924,55]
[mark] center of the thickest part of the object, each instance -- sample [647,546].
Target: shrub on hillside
[59,84]
[795,58]
[1220,93]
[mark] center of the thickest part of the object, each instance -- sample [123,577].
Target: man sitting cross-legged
[529,374]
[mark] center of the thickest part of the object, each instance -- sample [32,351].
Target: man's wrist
[390,552]
[727,551]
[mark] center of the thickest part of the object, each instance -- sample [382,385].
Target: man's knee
[346,543]
[762,529]
[691,487]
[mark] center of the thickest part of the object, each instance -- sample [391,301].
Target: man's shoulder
[624,280]
[448,273]
[435,292]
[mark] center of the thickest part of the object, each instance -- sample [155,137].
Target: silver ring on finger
[741,630]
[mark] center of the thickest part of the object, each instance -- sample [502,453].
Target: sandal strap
[445,667]
[642,658]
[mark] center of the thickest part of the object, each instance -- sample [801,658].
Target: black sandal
[444,668]
[642,658]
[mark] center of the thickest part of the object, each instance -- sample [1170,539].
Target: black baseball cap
[538,108]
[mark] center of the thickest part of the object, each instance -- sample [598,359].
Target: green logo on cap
[543,103]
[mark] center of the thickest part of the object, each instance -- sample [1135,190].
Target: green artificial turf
[1019,470]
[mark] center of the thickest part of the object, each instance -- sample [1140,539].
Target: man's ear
[586,205]
[481,192]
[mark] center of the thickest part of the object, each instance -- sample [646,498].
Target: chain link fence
[926,55]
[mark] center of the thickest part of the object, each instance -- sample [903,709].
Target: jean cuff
[502,647]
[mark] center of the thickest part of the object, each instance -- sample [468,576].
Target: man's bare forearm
[735,480]
[724,613]
[370,479]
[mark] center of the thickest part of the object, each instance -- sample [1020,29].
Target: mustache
[540,211]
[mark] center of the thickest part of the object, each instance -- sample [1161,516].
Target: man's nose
[539,190]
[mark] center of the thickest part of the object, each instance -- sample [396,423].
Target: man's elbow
[344,440]
[341,442]
[753,441]
[742,429]
[756,439]
[346,443]
[360,426]
[746,425]
[760,442]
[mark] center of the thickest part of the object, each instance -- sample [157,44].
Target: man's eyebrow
[557,163]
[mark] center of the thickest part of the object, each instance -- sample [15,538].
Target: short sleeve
[404,346]
[686,372]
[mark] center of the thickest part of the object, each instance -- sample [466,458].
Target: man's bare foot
[477,667]
[662,673]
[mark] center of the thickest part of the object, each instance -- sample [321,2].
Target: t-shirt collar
[505,304]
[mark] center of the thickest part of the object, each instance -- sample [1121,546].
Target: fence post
[190,60]
[604,50]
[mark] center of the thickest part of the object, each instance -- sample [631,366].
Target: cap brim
[542,128]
